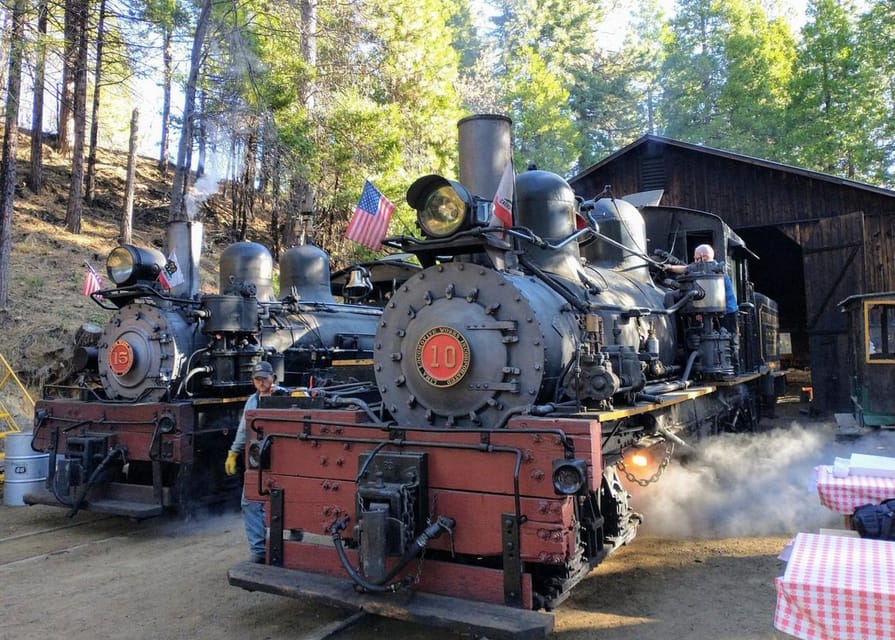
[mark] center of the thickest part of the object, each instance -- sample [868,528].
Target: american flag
[92,280]
[502,214]
[369,224]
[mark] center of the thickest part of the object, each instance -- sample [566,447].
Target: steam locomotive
[148,427]
[520,377]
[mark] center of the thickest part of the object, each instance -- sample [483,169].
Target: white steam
[748,484]
[199,192]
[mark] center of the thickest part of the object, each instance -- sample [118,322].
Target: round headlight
[569,476]
[443,212]
[127,264]
[166,423]
[259,454]
[443,206]
[120,264]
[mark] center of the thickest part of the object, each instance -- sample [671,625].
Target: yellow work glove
[230,463]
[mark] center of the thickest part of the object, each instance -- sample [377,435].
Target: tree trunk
[4,54]
[302,193]
[168,64]
[76,188]
[10,136]
[247,199]
[180,183]
[94,121]
[35,178]
[127,215]
[88,334]
[201,131]
[67,91]
[275,201]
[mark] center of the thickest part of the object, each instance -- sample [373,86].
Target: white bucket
[26,469]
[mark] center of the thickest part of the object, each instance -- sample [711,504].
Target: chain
[408,502]
[669,449]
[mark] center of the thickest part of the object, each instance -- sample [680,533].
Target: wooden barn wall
[879,252]
[743,194]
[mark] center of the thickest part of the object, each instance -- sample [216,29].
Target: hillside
[46,307]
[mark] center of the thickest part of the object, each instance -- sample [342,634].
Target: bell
[359,285]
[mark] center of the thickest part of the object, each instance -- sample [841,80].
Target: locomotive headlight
[166,423]
[569,476]
[127,264]
[259,454]
[639,460]
[445,207]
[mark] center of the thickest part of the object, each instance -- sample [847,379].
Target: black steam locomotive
[520,377]
[148,427]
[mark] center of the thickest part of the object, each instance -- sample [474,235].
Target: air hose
[441,525]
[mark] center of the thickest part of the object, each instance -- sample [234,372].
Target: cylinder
[26,469]
[485,149]
[711,286]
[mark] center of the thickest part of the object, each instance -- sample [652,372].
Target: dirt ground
[704,569]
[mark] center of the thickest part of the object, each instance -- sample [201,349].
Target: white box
[877,466]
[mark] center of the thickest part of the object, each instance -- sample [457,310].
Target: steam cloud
[199,192]
[748,484]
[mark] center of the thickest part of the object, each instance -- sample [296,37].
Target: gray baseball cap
[262,370]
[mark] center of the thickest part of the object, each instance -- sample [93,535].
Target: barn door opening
[833,269]
[777,273]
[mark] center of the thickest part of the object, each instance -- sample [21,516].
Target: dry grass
[46,307]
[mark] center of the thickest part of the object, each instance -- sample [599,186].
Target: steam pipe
[651,391]
[670,436]
[338,400]
[189,376]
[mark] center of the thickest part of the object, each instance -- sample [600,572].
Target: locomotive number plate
[442,356]
[121,357]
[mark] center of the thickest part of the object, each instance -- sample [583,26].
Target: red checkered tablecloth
[845,494]
[837,588]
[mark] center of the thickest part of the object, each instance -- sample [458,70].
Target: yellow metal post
[12,393]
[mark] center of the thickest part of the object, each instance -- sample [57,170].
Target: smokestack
[485,149]
[184,239]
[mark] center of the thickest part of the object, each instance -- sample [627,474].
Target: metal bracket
[512,561]
[276,527]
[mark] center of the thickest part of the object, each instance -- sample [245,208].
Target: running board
[113,507]
[461,616]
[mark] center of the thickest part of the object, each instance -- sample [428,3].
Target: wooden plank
[436,577]
[461,616]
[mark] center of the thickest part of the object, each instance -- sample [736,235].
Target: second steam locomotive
[148,426]
[518,375]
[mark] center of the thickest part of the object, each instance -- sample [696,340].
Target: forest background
[286,107]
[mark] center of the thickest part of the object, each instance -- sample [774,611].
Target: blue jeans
[256,532]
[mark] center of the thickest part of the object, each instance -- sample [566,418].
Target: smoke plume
[749,484]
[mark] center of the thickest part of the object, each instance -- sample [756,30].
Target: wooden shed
[819,238]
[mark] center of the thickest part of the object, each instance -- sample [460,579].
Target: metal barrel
[26,469]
